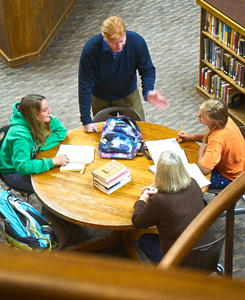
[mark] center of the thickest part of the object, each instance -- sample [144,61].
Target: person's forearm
[197,137]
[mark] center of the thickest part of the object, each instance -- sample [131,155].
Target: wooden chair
[111,112]
[3,132]
[224,201]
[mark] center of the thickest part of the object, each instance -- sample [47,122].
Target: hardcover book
[114,181]
[78,155]
[110,171]
[113,188]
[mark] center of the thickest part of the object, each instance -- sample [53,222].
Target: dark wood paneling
[234,9]
[28,26]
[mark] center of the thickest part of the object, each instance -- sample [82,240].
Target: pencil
[81,172]
[180,131]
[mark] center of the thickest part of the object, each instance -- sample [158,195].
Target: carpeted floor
[171,30]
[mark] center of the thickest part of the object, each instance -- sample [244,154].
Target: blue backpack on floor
[23,226]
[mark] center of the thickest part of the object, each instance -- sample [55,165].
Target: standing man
[107,73]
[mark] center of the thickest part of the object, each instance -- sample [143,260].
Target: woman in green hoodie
[32,129]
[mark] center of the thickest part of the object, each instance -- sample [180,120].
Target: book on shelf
[231,92]
[209,75]
[214,88]
[224,33]
[114,187]
[110,171]
[78,155]
[155,149]
[204,70]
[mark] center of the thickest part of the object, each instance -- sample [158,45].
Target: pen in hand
[179,132]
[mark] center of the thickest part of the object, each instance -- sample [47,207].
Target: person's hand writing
[90,128]
[60,160]
[156,99]
[184,137]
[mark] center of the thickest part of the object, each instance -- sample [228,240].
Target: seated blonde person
[32,129]
[171,203]
[223,150]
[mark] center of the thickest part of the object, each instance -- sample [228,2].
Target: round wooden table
[73,197]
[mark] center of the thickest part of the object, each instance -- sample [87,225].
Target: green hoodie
[18,148]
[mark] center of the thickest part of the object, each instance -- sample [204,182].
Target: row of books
[218,87]
[224,61]
[224,33]
[111,176]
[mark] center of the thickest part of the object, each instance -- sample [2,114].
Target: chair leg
[237,211]
[220,270]
[229,241]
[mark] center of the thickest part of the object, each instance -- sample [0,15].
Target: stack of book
[111,176]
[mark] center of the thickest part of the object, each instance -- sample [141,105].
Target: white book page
[155,149]
[77,153]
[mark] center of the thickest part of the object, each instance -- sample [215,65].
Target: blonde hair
[217,111]
[171,175]
[30,108]
[113,27]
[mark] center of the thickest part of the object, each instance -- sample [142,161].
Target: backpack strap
[143,152]
[12,241]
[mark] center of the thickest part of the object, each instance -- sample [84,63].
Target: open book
[155,149]
[78,155]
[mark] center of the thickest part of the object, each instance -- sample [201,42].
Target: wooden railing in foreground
[61,276]
[225,201]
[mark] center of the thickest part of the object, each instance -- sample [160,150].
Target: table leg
[133,235]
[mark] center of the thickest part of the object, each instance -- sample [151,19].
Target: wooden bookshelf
[230,12]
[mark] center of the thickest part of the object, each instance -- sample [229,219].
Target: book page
[155,149]
[77,153]
[194,172]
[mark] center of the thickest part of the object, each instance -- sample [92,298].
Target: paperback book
[114,187]
[111,176]
[78,155]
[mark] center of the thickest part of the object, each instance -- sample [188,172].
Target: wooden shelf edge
[224,18]
[228,49]
[224,76]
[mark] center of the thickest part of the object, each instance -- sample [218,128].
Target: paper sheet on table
[155,149]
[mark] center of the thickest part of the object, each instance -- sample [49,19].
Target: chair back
[206,257]
[112,112]
[3,132]
[242,129]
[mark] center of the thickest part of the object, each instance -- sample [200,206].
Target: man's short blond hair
[113,27]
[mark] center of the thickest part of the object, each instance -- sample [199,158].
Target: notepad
[78,155]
